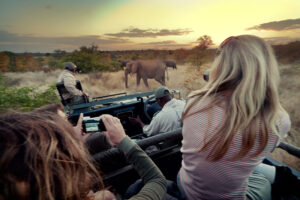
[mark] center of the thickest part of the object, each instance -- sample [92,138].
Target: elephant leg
[161,81]
[146,82]
[138,80]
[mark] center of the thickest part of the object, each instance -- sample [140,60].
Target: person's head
[162,95]
[70,66]
[53,108]
[245,72]
[244,64]
[42,159]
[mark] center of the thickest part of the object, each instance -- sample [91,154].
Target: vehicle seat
[62,90]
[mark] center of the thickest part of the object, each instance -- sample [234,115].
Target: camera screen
[91,127]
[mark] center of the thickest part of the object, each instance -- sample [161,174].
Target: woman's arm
[155,182]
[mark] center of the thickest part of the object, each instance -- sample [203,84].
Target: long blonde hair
[246,70]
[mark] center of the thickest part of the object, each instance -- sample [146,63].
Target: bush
[200,57]
[25,98]
[55,64]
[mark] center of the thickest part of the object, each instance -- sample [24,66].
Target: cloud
[46,44]
[170,44]
[278,25]
[48,7]
[31,43]
[166,42]
[136,32]
[280,40]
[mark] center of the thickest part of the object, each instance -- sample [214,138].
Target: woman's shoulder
[208,102]
[284,124]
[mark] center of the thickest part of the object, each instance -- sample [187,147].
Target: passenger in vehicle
[73,95]
[231,124]
[41,158]
[168,119]
[54,108]
[95,142]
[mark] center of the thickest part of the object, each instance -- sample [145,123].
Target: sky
[46,25]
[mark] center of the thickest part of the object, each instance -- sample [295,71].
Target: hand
[114,130]
[137,120]
[85,96]
[133,120]
[104,194]
[79,131]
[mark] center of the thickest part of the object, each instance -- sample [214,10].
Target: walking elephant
[170,63]
[123,62]
[144,69]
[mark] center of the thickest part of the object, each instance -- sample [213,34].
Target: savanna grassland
[186,78]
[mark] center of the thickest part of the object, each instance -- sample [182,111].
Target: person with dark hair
[168,119]
[42,158]
[67,77]
[54,108]
[50,108]
[95,142]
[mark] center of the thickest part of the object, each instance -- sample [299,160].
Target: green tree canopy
[204,42]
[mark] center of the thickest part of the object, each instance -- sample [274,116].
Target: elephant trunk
[126,78]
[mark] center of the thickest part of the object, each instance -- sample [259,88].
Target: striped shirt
[222,179]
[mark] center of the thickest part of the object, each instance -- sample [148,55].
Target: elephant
[153,69]
[170,63]
[123,62]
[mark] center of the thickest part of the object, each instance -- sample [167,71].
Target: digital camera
[93,125]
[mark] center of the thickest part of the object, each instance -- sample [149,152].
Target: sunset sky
[44,25]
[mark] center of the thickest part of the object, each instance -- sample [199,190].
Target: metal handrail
[293,150]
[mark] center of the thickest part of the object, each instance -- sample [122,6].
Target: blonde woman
[231,124]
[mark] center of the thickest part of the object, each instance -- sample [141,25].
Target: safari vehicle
[166,154]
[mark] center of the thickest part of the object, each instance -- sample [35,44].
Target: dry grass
[186,78]
[290,98]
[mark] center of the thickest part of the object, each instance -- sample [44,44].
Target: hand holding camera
[93,125]
[107,124]
[80,132]
[115,132]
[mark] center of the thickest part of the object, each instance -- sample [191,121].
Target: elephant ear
[128,67]
[135,67]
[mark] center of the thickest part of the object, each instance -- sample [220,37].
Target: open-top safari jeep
[164,149]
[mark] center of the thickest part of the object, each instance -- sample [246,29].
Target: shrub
[55,64]
[200,57]
[25,98]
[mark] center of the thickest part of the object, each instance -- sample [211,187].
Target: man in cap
[72,94]
[168,119]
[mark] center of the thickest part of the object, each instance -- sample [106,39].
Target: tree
[92,49]
[4,61]
[59,53]
[204,42]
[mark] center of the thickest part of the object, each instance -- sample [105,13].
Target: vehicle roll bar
[295,151]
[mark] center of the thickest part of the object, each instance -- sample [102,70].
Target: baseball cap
[161,92]
[70,66]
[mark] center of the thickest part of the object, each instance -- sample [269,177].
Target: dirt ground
[185,79]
